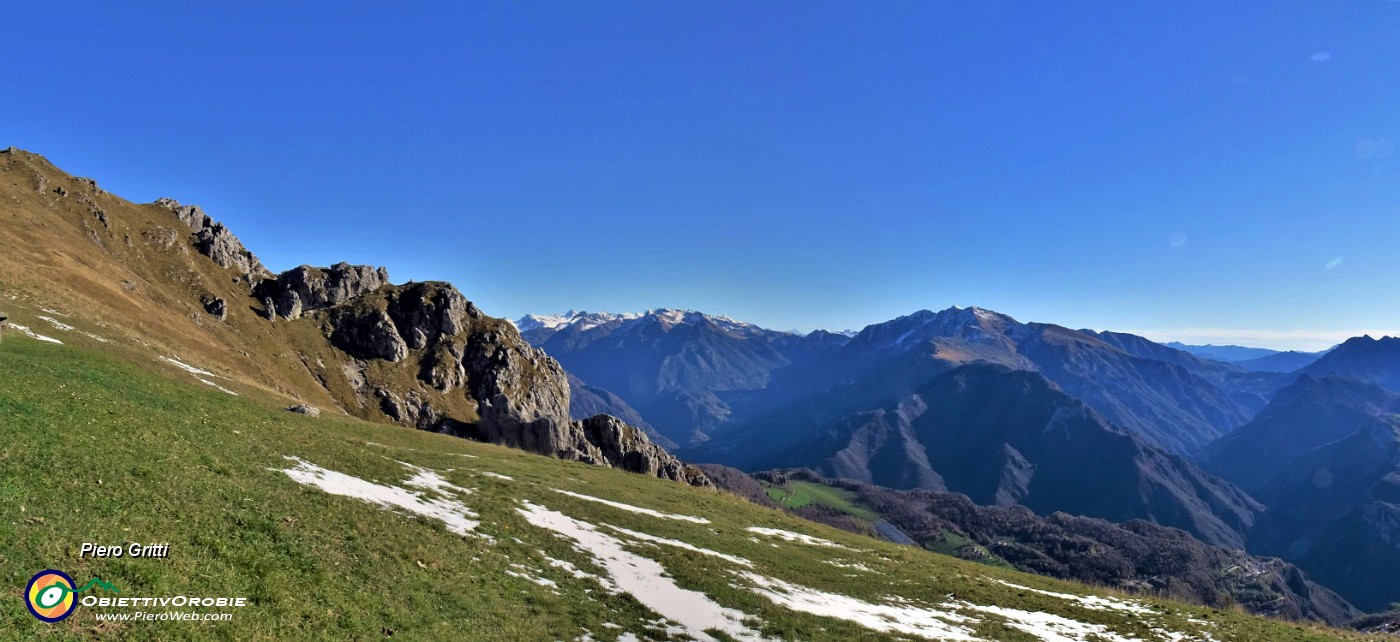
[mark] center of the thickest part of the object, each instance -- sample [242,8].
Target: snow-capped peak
[667,317]
[572,318]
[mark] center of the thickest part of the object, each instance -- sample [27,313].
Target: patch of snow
[568,567]
[679,544]
[431,480]
[187,367]
[452,513]
[1092,601]
[211,383]
[496,475]
[796,537]
[645,579]
[34,335]
[523,572]
[57,324]
[1049,627]
[933,624]
[634,509]
[97,338]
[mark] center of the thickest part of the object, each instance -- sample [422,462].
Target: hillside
[342,529]
[1137,556]
[343,338]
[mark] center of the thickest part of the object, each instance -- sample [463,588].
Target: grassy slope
[100,442]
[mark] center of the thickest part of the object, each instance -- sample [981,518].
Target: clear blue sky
[1209,171]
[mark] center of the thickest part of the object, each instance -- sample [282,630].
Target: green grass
[94,448]
[796,494]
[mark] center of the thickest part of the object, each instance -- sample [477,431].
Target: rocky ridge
[422,355]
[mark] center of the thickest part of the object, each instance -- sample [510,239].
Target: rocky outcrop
[217,307]
[627,447]
[304,289]
[214,240]
[457,371]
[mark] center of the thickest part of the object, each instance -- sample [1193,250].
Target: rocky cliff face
[424,356]
[214,240]
[306,288]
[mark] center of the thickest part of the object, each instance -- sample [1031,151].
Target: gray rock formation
[303,409]
[627,447]
[460,372]
[304,289]
[214,240]
[217,307]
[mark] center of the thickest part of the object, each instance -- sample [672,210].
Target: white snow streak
[456,516]
[795,537]
[645,579]
[634,509]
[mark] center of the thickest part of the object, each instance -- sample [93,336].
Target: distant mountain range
[1324,458]
[1284,453]
[1252,359]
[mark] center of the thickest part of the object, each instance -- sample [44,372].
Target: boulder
[303,409]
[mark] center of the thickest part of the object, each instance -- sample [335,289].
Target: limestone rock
[303,409]
[627,447]
[368,334]
[304,289]
[214,240]
[215,306]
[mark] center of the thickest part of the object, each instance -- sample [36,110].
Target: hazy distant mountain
[1227,354]
[1003,437]
[1169,398]
[1306,415]
[691,374]
[1324,458]
[681,370]
[1364,359]
[1290,361]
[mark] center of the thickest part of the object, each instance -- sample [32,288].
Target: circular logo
[49,596]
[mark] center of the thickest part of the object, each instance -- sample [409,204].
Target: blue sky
[1202,171]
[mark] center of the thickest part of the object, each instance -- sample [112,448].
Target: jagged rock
[303,289]
[269,309]
[214,240]
[520,395]
[60,190]
[627,447]
[303,409]
[215,306]
[368,333]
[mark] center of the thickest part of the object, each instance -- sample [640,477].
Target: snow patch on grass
[57,324]
[187,367]
[644,578]
[634,509]
[933,624]
[34,335]
[497,475]
[1091,602]
[211,383]
[851,565]
[679,544]
[796,537]
[452,513]
[431,480]
[1049,627]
